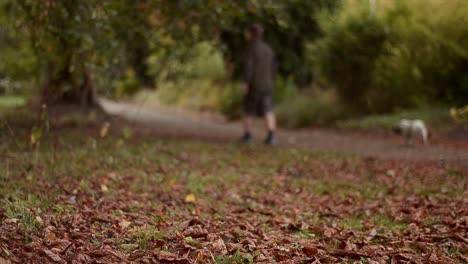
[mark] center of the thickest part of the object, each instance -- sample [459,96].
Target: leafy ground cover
[88,193]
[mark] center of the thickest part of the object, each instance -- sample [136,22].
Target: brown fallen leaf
[104,188]
[195,232]
[10,221]
[310,251]
[4,261]
[168,257]
[346,253]
[54,257]
[219,248]
[124,224]
[49,237]
[108,253]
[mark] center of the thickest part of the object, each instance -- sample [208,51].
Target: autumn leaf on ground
[190,198]
[104,130]
[124,224]
[104,188]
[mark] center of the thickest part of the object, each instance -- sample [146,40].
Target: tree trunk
[65,90]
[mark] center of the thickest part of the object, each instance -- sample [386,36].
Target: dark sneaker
[270,140]
[246,138]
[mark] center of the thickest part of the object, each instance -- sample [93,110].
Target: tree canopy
[72,39]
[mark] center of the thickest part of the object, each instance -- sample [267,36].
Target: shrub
[127,86]
[230,103]
[348,53]
[195,94]
[302,110]
[410,54]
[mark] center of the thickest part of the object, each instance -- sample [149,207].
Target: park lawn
[85,192]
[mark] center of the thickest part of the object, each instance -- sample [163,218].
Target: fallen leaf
[54,257]
[167,257]
[104,188]
[10,221]
[190,198]
[4,261]
[39,220]
[219,247]
[104,130]
[310,251]
[129,246]
[124,224]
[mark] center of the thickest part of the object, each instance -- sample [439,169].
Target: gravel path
[179,124]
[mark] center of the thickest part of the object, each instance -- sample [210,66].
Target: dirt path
[189,125]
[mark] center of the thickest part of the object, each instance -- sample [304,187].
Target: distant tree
[72,38]
[67,38]
[289,25]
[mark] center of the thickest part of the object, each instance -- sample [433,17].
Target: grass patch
[381,222]
[21,212]
[434,117]
[365,190]
[237,257]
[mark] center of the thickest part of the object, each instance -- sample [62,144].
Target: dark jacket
[259,67]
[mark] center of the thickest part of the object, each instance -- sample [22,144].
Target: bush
[196,83]
[410,54]
[127,86]
[302,110]
[347,55]
[230,103]
[194,94]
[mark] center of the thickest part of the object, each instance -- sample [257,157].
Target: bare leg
[246,122]
[270,121]
[247,137]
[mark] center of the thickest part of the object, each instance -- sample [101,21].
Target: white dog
[412,128]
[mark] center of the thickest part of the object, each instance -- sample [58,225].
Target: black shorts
[257,104]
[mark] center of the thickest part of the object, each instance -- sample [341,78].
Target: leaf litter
[185,202]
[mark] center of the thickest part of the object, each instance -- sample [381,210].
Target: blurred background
[345,63]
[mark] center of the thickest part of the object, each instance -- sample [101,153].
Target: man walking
[259,71]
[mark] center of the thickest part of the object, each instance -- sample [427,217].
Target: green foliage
[429,54]
[288,25]
[195,94]
[237,257]
[196,81]
[20,209]
[459,115]
[347,55]
[63,40]
[302,110]
[127,86]
[409,54]
[11,101]
[284,89]
[202,61]
[230,104]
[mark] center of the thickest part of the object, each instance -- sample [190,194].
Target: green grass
[237,257]
[380,222]
[365,190]
[432,116]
